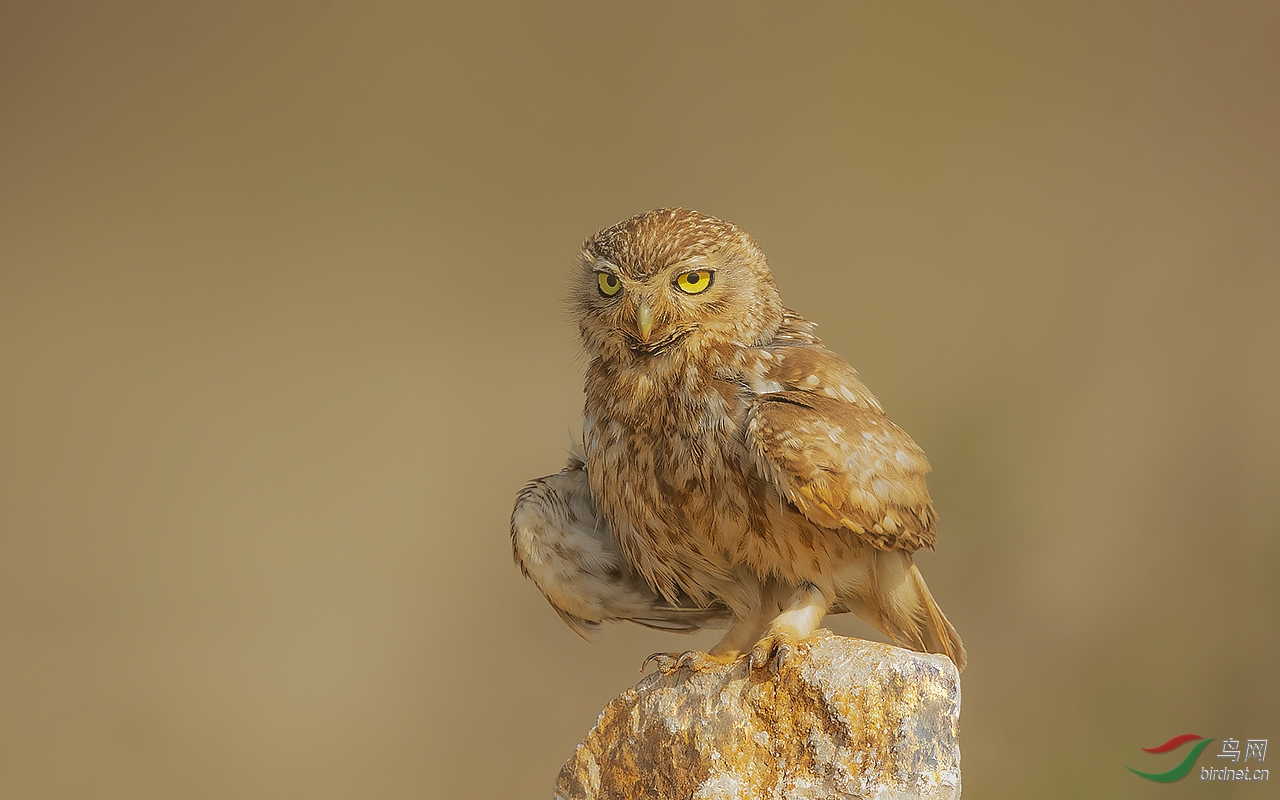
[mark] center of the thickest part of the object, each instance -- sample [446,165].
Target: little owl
[735,471]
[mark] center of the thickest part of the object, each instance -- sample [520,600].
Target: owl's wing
[564,545]
[819,436]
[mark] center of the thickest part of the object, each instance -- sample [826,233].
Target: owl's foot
[799,619]
[693,660]
[774,650]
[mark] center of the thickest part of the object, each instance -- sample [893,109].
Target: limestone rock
[845,718]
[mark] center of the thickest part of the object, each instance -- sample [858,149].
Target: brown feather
[844,466]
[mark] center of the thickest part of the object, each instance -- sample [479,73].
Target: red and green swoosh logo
[1179,772]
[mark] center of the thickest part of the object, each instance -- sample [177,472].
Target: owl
[734,472]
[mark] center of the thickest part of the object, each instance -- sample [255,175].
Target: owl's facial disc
[670,282]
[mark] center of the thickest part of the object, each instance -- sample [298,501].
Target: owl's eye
[695,282]
[609,284]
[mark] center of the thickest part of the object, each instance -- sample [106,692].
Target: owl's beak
[644,321]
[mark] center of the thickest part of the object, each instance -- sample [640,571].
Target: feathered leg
[752,607]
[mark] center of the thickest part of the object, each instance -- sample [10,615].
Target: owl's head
[673,280]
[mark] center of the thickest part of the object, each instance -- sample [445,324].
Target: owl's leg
[751,614]
[800,617]
[743,633]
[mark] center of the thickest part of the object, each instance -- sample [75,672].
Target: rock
[845,718]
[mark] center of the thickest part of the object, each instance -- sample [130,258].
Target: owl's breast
[666,464]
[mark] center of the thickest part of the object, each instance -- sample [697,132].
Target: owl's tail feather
[902,607]
[665,617]
[938,634]
[657,615]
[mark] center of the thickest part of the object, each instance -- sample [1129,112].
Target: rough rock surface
[845,718]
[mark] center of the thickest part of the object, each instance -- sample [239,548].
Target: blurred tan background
[282,334]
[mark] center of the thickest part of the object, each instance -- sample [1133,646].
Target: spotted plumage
[735,470]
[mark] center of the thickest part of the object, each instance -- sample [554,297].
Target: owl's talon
[771,652]
[692,660]
[667,662]
[780,656]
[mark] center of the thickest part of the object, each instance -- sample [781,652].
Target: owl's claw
[666,662]
[693,660]
[670,662]
[771,653]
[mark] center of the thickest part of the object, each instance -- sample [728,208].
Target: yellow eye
[609,284]
[694,282]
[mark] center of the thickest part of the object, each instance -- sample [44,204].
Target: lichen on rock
[844,718]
